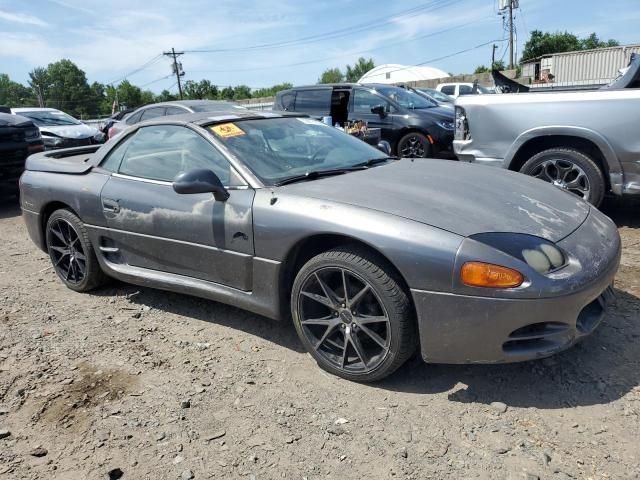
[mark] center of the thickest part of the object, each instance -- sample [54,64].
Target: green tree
[68,87]
[592,41]
[14,94]
[226,93]
[355,72]
[129,95]
[166,96]
[498,65]
[241,92]
[545,43]
[203,89]
[39,82]
[270,91]
[332,75]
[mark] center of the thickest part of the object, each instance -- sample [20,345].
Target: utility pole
[177,67]
[511,33]
[493,56]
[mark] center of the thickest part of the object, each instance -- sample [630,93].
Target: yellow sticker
[227,130]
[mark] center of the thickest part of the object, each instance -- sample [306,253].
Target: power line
[386,20]
[139,69]
[308,62]
[156,80]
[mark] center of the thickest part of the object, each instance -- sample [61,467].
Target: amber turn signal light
[480,274]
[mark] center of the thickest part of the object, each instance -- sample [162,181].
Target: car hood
[439,112]
[461,198]
[69,131]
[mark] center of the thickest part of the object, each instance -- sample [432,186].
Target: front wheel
[414,145]
[352,315]
[569,170]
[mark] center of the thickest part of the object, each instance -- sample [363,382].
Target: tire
[569,170]
[376,316]
[71,252]
[414,145]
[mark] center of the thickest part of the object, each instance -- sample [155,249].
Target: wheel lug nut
[343,305]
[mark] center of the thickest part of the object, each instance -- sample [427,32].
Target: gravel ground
[134,383]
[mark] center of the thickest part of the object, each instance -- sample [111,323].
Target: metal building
[579,68]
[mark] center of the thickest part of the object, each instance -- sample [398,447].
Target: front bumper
[476,329]
[466,152]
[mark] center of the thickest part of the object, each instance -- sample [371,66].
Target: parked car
[583,142]
[456,90]
[370,255]
[19,138]
[440,98]
[163,109]
[60,130]
[413,125]
[116,117]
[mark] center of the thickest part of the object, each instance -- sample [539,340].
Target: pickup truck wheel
[569,170]
[71,252]
[414,145]
[351,314]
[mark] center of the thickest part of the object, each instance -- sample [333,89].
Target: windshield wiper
[313,174]
[374,161]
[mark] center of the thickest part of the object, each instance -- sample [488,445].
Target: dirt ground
[134,383]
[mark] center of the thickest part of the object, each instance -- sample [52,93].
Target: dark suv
[19,138]
[414,125]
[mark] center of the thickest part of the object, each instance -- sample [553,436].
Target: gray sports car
[370,255]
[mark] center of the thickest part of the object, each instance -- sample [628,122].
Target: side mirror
[200,180]
[384,147]
[379,109]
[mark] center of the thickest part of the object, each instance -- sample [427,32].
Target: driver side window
[364,101]
[161,152]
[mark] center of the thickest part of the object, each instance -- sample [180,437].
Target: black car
[414,125]
[19,138]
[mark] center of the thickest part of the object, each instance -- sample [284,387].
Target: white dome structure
[394,73]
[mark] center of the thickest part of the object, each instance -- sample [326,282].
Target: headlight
[51,141]
[462,125]
[31,133]
[98,137]
[540,254]
[446,124]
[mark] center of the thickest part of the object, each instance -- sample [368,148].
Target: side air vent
[537,338]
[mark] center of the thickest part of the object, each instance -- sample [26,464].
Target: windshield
[50,118]
[276,149]
[405,98]
[436,95]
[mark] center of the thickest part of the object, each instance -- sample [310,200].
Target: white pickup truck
[587,142]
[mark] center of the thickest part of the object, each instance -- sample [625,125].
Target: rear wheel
[414,145]
[352,315]
[569,170]
[71,252]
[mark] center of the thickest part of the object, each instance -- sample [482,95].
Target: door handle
[111,206]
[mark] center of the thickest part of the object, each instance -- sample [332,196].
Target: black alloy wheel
[352,316]
[71,252]
[414,145]
[67,254]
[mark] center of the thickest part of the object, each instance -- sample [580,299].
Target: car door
[150,226]
[362,101]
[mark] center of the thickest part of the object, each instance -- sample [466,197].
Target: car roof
[190,103]
[218,116]
[34,109]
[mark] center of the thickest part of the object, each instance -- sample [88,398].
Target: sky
[260,43]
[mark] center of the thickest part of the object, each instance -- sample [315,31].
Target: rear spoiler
[74,161]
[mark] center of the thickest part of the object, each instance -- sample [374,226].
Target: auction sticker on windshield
[227,130]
